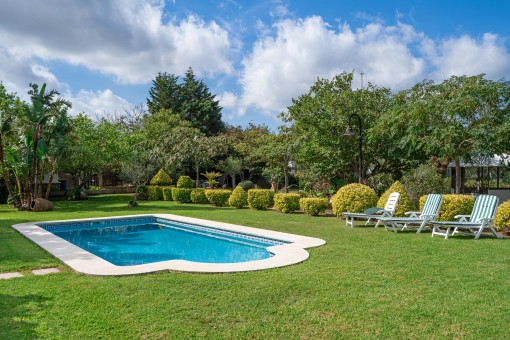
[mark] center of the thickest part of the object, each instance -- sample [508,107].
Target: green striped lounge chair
[374,213]
[481,218]
[416,219]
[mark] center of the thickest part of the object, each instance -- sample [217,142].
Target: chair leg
[422,225]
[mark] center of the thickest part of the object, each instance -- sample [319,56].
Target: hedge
[260,199]
[286,203]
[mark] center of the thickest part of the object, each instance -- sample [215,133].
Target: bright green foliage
[502,218]
[246,185]
[232,166]
[313,206]
[185,182]
[211,178]
[404,203]
[353,197]
[239,198]
[155,193]
[218,197]
[181,195]
[167,193]
[260,199]
[424,180]
[198,196]
[453,205]
[161,178]
[286,203]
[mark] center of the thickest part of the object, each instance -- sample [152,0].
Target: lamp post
[349,134]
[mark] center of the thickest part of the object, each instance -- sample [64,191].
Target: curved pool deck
[85,262]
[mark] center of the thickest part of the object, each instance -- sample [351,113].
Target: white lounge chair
[481,218]
[374,213]
[417,219]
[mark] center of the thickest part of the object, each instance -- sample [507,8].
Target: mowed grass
[364,283]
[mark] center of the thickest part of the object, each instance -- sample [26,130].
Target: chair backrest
[432,205]
[485,207]
[391,203]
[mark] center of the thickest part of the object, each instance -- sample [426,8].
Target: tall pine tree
[164,93]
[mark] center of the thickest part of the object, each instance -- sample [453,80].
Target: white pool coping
[85,262]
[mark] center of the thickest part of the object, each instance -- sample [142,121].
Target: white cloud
[98,103]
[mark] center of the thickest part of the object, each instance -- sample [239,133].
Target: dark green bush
[185,182]
[260,199]
[198,196]
[161,179]
[286,203]
[155,193]
[181,195]
[239,198]
[218,197]
[75,194]
[246,185]
[313,206]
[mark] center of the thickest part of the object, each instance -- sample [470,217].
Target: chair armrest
[413,213]
[462,218]
[428,217]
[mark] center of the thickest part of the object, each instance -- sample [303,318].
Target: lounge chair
[417,219]
[374,213]
[481,218]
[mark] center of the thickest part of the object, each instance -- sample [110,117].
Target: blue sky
[254,55]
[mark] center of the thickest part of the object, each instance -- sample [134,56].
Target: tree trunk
[458,177]
[197,174]
[40,179]
[5,175]
[233,181]
[286,175]
[50,180]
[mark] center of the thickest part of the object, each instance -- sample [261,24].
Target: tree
[191,99]
[232,166]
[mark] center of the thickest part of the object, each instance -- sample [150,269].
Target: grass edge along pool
[288,249]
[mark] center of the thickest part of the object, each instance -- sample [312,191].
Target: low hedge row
[286,203]
[313,206]
[217,197]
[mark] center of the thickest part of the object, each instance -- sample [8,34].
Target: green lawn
[365,283]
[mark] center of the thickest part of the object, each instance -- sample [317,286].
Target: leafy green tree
[232,166]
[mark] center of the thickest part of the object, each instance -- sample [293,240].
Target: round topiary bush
[286,203]
[239,198]
[198,196]
[181,195]
[246,185]
[260,199]
[161,179]
[452,205]
[313,206]
[502,218]
[155,193]
[185,182]
[404,202]
[353,197]
[218,197]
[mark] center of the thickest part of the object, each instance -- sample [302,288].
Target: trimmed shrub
[181,195]
[185,182]
[141,193]
[260,199]
[167,193]
[239,198]
[353,197]
[246,185]
[502,218]
[155,193]
[218,197]
[313,206]
[198,196]
[161,179]
[286,203]
[404,202]
[453,205]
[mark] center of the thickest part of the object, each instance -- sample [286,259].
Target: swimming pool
[146,243]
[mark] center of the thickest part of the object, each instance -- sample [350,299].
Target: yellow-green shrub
[239,198]
[198,196]
[452,205]
[181,195]
[286,203]
[260,199]
[155,193]
[502,218]
[161,179]
[185,182]
[167,193]
[218,197]
[353,197]
[313,206]
[404,202]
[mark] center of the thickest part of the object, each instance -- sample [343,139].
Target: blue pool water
[133,241]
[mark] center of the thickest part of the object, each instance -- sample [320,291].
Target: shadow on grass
[14,311]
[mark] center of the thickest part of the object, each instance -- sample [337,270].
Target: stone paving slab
[45,271]
[5,276]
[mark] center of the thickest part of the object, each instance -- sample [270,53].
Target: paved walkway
[45,271]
